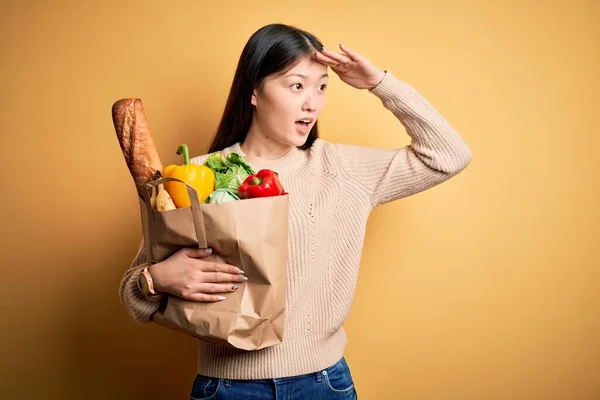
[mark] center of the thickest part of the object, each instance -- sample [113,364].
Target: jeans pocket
[205,388]
[338,378]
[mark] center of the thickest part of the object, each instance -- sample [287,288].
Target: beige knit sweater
[333,188]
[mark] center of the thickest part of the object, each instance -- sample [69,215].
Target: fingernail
[240,271]
[209,250]
[324,48]
[235,287]
[243,278]
[221,298]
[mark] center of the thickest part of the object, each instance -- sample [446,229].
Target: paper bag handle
[195,202]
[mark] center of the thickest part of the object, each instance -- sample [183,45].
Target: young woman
[278,93]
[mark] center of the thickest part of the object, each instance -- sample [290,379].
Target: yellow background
[485,287]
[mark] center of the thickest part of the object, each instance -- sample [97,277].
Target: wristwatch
[146,284]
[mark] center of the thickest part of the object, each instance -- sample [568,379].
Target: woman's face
[284,100]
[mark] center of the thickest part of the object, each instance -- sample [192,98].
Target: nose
[309,103]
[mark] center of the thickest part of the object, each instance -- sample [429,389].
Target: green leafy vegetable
[229,171]
[221,196]
[236,159]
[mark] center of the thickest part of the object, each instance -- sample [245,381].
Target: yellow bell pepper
[200,177]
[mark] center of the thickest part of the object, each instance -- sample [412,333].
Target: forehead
[308,69]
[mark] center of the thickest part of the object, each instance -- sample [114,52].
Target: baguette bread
[136,141]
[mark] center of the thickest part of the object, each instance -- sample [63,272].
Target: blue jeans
[334,382]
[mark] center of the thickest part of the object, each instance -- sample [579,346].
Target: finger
[205,297]
[326,60]
[199,253]
[212,288]
[340,58]
[217,277]
[220,267]
[354,56]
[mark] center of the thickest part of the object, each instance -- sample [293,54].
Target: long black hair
[271,50]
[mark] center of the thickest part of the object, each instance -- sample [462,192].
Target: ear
[253,99]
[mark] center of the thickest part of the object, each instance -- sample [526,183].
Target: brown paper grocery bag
[251,234]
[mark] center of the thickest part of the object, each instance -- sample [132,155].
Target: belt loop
[319,376]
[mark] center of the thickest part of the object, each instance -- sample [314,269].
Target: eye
[296,84]
[323,86]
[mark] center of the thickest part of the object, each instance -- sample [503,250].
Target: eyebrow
[325,75]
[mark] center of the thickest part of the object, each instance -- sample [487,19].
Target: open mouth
[304,122]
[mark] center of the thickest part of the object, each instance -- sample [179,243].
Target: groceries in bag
[249,232]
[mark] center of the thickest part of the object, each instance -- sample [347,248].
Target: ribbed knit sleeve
[435,154]
[139,306]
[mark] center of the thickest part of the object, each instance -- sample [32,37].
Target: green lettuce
[229,171]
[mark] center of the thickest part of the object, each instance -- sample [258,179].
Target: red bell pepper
[264,183]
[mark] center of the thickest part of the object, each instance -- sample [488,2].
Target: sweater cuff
[387,88]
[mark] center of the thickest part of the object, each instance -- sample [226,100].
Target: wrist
[378,79]
[145,282]
[155,282]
